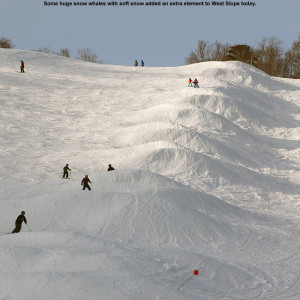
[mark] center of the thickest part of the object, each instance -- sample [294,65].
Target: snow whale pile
[205,179]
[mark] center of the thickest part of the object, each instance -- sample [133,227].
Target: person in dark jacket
[22,66]
[19,221]
[196,83]
[85,182]
[142,63]
[110,168]
[66,169]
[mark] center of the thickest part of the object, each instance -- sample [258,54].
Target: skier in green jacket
[66,169]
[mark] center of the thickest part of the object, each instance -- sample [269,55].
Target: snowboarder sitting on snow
[22,66]
[85,182]
[136,63]
[196,83]
[190,82]
[110,168]
[66,168]
[19,221]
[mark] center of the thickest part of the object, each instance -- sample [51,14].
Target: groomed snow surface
[205,179]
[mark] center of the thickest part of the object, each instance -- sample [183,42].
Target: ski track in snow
[205,179]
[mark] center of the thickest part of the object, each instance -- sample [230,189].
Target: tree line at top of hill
[85,54]
[267,56]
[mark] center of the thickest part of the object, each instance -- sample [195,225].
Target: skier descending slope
[19,221]
[85,182]
[110,168]
[66,169]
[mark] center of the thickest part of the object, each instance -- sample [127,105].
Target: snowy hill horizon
[206,179]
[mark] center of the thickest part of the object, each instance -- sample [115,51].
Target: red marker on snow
[196,272]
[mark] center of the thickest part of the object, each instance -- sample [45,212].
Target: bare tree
[260,53]
[88,55]
[202,51]
[269,56]
[192,59]
[292,60]
[45,50]
[65,52]
[207,52]
[218,51]
[6,43]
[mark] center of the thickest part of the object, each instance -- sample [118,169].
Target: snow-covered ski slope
[205,179]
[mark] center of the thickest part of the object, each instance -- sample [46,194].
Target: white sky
[161,36]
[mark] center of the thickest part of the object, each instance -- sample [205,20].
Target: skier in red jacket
[22,66]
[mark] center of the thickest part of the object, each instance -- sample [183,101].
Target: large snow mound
[205,179]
